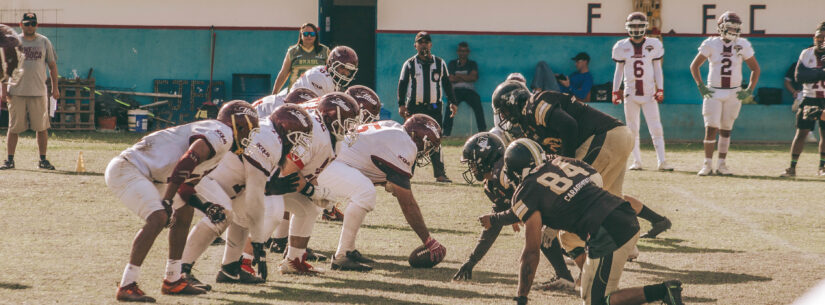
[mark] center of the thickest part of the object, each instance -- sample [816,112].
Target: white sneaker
[299,266]
[556,284]
[706,170]
[663,167]
[633,255]
[636,166]
[723,170]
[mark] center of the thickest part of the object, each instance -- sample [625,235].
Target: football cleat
[634,254]
[705,171]
[348,263]
[443,179]
[664,167]
[355,255]
[278,245]
[790,172]
[233,273]
[299,266]
[821,172]
[556,284]
[674,293]
[131,293]
[636,166]
[44,164]
[723,170]
[314,256]
[246,265]
[197,283]
[180,287]
[8,164]
[333,214]
[657,228]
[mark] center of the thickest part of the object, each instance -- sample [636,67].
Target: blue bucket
[138,120]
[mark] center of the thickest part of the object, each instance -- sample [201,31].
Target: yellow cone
[81,166]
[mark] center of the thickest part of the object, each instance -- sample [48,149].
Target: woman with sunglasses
[305,54]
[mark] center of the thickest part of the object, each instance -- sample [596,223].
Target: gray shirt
[39,53]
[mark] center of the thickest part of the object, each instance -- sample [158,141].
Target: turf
[748,239]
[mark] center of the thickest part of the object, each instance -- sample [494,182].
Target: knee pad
[301,226]
[569,241]
[365,198]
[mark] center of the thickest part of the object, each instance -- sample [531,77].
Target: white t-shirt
[638,64]
[382,141]
[157,153]
[809,60]
[725,60]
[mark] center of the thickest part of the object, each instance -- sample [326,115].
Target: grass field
[747,239]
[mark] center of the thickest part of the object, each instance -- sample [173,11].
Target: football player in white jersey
[287,130]
[384,155]
[639,62]
[723,95]
[342,64]
[810,71]
[155,179]
[267,104]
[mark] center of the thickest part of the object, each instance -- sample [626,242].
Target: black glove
[521,300]
[282,185]
[465,272]
[260,258]
[170,213]
[216,213]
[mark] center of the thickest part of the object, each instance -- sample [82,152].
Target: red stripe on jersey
[727,49]
[820,94]
[640,87]
[725,82]
[295,159]
[637,48]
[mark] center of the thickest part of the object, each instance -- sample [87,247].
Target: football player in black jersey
[564,126]
[484,156]
[564,194]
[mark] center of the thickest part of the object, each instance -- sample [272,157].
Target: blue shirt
[580,84]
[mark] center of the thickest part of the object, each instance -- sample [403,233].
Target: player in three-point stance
[723,100]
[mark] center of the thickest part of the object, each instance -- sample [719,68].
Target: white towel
[52,106]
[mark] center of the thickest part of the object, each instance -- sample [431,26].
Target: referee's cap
[423,37]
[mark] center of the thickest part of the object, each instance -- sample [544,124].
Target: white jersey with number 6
[809,60]
[638,64]
[725,61]
[385,142]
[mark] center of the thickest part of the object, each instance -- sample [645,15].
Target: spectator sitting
[580,82]
[463,73]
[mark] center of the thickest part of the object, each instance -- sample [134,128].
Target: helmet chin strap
[239,147]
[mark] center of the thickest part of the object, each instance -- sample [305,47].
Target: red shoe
[131,293]
[299,266]
[246,265]
[181,286]
[333,215]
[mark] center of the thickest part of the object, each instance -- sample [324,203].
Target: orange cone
[81,165]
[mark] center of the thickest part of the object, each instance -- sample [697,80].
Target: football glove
[705,91]
[170,213]
[465,273]
[437,251]
[746,96]
[659,95]
[259,258]
[282,185]
[214,212]
[811,112]
[617,97]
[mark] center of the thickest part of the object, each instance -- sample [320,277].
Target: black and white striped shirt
[416,89]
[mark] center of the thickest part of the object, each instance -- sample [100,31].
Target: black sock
[650,215]
[654,292]
[556,259]
[821,159]
[794,159]
[11,158]
[42,157]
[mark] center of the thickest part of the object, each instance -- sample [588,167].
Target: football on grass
[420,258]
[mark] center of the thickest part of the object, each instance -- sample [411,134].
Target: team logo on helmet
[340,103]
[553,144]
[300,117]
[433,128]
[367,97]
[483,144]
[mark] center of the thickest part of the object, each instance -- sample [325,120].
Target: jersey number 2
[725,72]
[559,184]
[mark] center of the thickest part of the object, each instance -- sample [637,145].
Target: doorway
[352,23]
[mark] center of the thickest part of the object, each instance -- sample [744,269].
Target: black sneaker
[278,245]
[196,283]
[232,273]
[8,164]
[674,293]
[356,256]
[658,227]
[44,164]
[313,256]
[347,263]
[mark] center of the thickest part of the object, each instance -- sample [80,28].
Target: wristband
[308,190]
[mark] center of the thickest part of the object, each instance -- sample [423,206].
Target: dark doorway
[352,24]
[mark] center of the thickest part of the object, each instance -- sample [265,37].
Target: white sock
[708,161]
[353,218]
[637,151]
[659,145]
[720,162]
[130,275]
[198,241]
[172,270]
[724,143]
[248,256]
[235,241]
[282,230]
[295,253]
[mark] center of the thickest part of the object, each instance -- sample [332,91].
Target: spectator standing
[423,79]
[463,75]
[28,100]
[302,56]
[795,89]
[580,82]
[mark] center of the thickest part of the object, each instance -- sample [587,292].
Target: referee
[419,91]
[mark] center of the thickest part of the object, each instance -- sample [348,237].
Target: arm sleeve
[808,75]
[568,129]
[394,174]
[584,88]
[51,56]
[618,75]
[747,50]
[507,217]
[403,82]
[485,241]
[448,86]
[704,49]
[657,74]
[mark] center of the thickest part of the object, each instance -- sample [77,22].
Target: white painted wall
[253,13]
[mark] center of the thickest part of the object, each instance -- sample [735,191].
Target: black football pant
[434,111]
[472,99]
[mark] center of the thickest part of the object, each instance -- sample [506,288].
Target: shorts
[721,109]
[601,275]
[28,112]
[801,122]
[136,191]
[607,153]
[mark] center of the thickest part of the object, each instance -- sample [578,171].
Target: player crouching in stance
[180,156]
[563,194]
[484,156]
[639,61]
[384,155]
[810,71]
[721,104]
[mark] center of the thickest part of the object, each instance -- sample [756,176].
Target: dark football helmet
[342,57]
[481,152]
[508,100]
[729,25]
[426,133]
[522,156]
[515,76]
[299,95]
[292,124]
[243,119]
[341,114]
[369,102]
[636,25]
[11,58]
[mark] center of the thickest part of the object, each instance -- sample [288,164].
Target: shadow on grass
[672,245]
[13,286]
[59,172]
[283,293]
[421,289]
[398,267]
[407,228]
[696,276]
[90,136]
[756,177]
